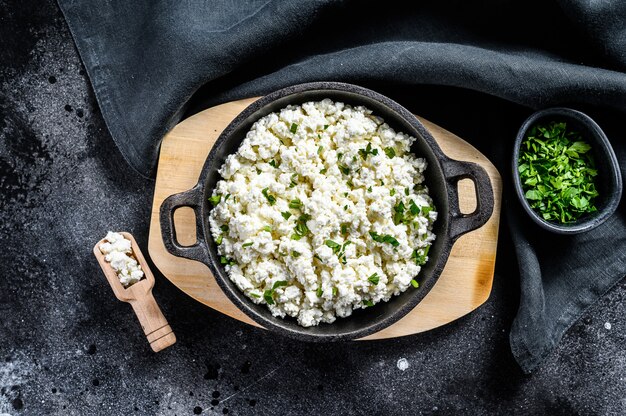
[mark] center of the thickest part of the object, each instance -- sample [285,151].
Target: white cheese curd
[118,252]
[322,211]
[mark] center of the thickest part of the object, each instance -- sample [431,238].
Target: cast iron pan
[441,176]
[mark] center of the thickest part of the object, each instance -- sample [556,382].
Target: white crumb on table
[402,364]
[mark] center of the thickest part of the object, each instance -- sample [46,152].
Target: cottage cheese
[118,252]
[322,211]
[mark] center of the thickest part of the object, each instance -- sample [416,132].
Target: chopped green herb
[258,171]
[392,192]
[382,183]
[320,149]
[344,229]
[323,171]
[295,254]
[335,291]
[219,239]
[345,194]
[226,261]
[301,229]
[294,179]
[279,283]
[247,244]
[270,198]
[345,169]
[425,210]
[286,214]
[339,155]
[368,151]
[384,239]
[224,228]
[558,172]
[420,255]
[296,237]
[413,207]
[325,126]
[215,199]
[374,279]
[255,295]
[369,189]
[390,152]
[368,303]
[226,197]
[398,215]
[345,207]
[295,204]
[267,228]
[335,246]
[414,283]
[293,128]
[319,292]
[406,191]
[268,295]
[274,164]
[318,257]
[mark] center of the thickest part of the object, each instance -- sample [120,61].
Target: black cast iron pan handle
[460,223]
[193,199]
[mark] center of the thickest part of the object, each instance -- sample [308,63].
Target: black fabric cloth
[152,63]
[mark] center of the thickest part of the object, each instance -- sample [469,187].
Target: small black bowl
[608,181]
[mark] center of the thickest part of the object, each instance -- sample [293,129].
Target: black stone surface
[68,347]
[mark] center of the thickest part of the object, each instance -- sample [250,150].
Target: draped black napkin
[151,63]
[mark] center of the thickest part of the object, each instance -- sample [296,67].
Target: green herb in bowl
[557,173]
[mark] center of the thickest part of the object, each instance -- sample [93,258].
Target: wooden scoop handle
[153,323]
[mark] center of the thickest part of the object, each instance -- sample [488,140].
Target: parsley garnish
[226,261]
[267,228]
[339,249]
[414,283]
[374,279]
[295,204]
[392,192]
[219,239]
[274,164]
[215,199]
[325,126]
[224,228]
[294,179]
[270,198]
[384,239]
[293,128]
[323,171]
[390,152]
[558,173]
[320,149]
[368,303]
[420,255]
[286,214]
[345,169]
[319,292]
[268,295]
[295,254]
[247,244]
[301,229]
[344,229]
[367,151]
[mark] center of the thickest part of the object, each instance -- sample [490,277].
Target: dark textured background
[67,346]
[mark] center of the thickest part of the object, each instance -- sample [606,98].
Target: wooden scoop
[139,295]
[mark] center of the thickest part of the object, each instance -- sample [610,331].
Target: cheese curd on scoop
[322,211]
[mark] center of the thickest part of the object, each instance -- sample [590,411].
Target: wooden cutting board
[463,286]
